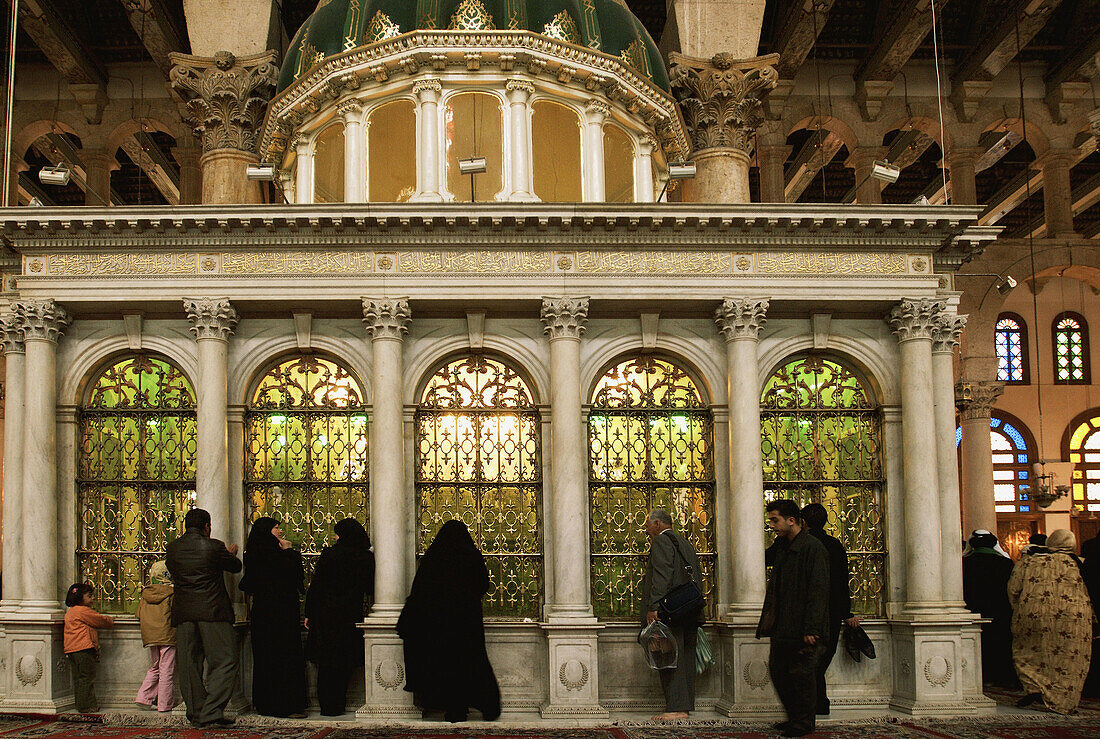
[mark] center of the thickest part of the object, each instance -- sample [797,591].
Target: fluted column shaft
[945,337]
[595,186]
[43,322]
[740,321]
[15,358]
[212,323]
[519,91]
[979,509]
[564,322]
[387,321]
[428,92]
[355,151]
[913,321]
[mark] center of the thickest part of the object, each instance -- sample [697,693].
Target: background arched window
[1012,447]
[135,474]
[1011,343]
[479,460]
[822,443]
[306,458]
[556,152]
[328,165]
[391,152]
[1071,349]
[1084,453]
[618,159]
[474,127]
[650,445]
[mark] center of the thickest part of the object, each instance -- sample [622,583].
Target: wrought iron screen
[651,445]
[306,457]
[479,460]
[822,443]
[135,474]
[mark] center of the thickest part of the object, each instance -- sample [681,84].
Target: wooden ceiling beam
[157,168]
[1085,196]
[158,30]
[817,152]
[996,50]
[798,33]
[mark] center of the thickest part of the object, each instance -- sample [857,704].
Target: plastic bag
[704,655]
[659,646]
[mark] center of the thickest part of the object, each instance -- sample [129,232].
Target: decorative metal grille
[1011,342]
[821,439]
[1071,354]
[651,445]
[135,474]
[306,458]
[479,460]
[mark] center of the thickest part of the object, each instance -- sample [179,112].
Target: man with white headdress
[985,590]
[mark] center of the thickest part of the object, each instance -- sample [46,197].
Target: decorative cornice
[915,319]
[564,317]
[722,97]
[42,320]
[946,332]
[741,318]
[225,96]
[211,318]
[980,400]
[11,334]
[386,318]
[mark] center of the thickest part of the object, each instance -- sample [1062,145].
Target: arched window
[651,445]
[391,152]
[1011,342]
[1012,447]
[822,443]
[479,460]
[556,150]
[135,474]
[328,165]
[1084,453]
[618,160]
[474,127]
[306,458]
[1071,349]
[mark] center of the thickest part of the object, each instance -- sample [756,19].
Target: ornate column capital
[946,332]
[564,318]
[722,97]
[225,96]
[211,318]
[915,319]
[386,318]
[519,90]
[351,110]
[975,400]
[428,89]
[741,318]
[11,334]
[596,110]
[42,320]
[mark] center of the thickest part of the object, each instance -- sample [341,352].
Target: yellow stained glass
[556,144]
[328,165]
[618,159]
[391,152]
[473,127]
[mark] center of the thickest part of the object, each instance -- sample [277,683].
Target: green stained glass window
[479,460]
[821,439]
[135,474]
[306,456]
[1071,349]
[650,445]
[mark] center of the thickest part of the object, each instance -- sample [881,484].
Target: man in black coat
[203,617]
[985,590]
[795,616]
[1090,552]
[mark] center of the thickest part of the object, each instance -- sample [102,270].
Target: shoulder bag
[683,603]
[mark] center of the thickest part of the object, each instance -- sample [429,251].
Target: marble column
[98,165]
[225,98]
[355,151]
[861,159]
[595,113]
[913,322]
[1057,192]
[740,321]
[961,162]
[770,160]
[428,92]
[643,169]
[212,323]
[978,506]
[11,334]
[519,92]
[721,99]
[945,337]
[43,322]
[387,322]
[303,169]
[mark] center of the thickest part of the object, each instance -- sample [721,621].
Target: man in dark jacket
[1090,572]
[203,617]
[795,616]
[668,554]
[985,590]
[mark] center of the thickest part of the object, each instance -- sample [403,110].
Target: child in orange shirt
[82,643]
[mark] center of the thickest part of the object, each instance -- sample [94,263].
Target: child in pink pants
[155,616]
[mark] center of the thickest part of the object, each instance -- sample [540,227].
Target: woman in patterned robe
[1051,624]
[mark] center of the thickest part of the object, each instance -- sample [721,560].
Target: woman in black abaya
[344,576]
[446,665]
[273,577]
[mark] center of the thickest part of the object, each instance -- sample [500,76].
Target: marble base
[573,670]
[937,667]
[384,673]
[746,684]
[37,677]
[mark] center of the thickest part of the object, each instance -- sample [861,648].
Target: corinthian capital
[42,320]
[741,318]
[975,400]
[946,332]
[915,319]
[225,96]
[722,97]
[211,318]
[386,318]
[11,334]
[564,318]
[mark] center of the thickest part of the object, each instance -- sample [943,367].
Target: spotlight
[681,170]
[473,165]
[1005,286]
[261,172]
[58,175]
[883,170]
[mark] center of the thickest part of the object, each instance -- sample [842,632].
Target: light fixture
[473,165]
[921,200]
[1005,286]
[58,175]
[681,170]
[883,170]
[261,172]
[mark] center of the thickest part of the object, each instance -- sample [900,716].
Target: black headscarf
[267,567]
[260,538]
[343,577]
[451,567]
[353,536]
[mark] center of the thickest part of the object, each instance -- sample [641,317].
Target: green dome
[608,26]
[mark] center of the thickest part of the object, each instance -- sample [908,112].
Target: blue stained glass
[1022,474]
[958,437]
[1025,509]
[1015,435]
[994,423]
[1021,458]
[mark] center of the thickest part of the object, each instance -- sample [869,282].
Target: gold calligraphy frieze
[297,262]
[830,263]
[478,262]
[670,262]
[154,263]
